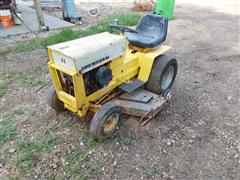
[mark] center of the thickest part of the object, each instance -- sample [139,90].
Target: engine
[93,80]
[97,79]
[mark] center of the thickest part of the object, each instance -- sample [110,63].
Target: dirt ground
[197,136]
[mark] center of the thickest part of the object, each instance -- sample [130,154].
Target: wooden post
[39,15]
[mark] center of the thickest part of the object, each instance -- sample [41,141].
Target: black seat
[150,32]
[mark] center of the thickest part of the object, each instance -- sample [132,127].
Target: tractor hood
[85,54]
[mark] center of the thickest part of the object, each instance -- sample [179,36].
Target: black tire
[101,117]
[53,100]
[162,67]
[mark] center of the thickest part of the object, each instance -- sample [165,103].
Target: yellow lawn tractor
[113,74]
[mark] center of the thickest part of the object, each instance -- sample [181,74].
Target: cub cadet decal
[95,62]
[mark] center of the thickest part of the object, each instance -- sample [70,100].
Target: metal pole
[39,15]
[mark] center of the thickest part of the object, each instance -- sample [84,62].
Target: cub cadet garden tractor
[113,74]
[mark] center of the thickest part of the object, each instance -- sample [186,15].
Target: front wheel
[105,121]
[162,75]
[53,100]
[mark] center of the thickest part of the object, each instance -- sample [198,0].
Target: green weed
[62,36]
[30,80]
[76,165]
[126,138]
[152,170]
[8,129]
[5,80]
[44,70]
[89,140]
[28,46]
[29,152]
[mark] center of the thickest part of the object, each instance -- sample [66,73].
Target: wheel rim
[167,77]
[110,124]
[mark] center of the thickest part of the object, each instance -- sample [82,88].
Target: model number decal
[63,60]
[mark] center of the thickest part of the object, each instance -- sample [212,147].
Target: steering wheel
[121,28]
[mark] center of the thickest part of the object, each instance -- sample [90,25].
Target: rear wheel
[163,74]
[105,121]
[53,100]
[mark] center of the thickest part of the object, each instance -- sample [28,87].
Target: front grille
[66,83]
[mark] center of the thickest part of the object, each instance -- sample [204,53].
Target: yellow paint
[137,62]
[65,97]
[146,61]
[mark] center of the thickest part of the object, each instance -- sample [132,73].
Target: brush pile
[143,5]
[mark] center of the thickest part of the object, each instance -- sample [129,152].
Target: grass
[7,77]
[5,80]
[77,165]
[128,19]
[30,80]
[34,152]
[29,151]
[89,140]
[44,70]
[8,129]
[126,137]
[74,161]
[152,170]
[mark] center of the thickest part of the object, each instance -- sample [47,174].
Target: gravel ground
[196,137]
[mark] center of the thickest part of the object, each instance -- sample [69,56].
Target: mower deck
[141,103]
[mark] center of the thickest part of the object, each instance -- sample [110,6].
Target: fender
[146,60]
